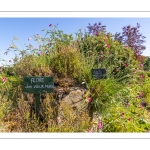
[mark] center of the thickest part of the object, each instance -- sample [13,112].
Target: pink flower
[29,39]
[50,25]
[100,125]
[96,33]
[41,53]
[108,52]
[126,47]
[128,84]
[102,52]
[108,45]
[124,65]
[105,39]
[142,94]
[89,131]
[141,106]
[10,61]
[122,114]
[148,131]
[142,76]
[127,105]
[90,99]
[141,65]
[3,79]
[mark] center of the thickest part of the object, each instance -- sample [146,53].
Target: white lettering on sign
[28,86]
[49,86]
[39,86]
[37,80]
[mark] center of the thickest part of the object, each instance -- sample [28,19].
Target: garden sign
[38,85]
[98,73]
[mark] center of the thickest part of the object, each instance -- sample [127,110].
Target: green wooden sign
[98,73]
[38,85]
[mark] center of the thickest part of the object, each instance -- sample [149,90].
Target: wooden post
[37,101]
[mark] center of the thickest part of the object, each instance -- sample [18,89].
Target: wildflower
[41,53]
[142,94]
[89,131]
[29,39]
[102,52]
[108,52]
[105,39]
[127,104]
[10,61]
[108,45]
[100,125]
[90,99]
[124,65]
[148,131]
[50,25]
[30,45]
[141,65]
[129,119]
[95,33]
[122,114]
[126,47]
[3,79]
[141,106]
[142,76]
[5,53]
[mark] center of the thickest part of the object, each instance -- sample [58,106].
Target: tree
[96,28]
[132,38]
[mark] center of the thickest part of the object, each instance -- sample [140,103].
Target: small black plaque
[98,73]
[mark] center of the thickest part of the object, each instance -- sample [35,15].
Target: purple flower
[29,39]
[50,25]
[10,61]
[100,125]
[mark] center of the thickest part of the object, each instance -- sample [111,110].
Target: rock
[75,97]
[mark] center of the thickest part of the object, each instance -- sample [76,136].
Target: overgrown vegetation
[121,99]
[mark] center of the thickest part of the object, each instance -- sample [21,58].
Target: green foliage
[121,98]
[147,64]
